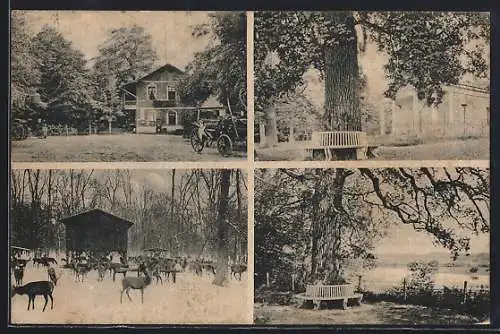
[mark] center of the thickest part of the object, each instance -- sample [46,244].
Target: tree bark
[271,127]
[222,229]
[342,111]
[329,219]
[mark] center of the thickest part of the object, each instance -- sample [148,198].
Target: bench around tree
[322,143]
[319,293]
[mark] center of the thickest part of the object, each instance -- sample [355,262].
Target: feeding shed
[96,231]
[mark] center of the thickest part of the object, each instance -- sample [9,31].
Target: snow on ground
[118,147]
[191,300]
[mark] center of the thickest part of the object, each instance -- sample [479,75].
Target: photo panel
[111,86]
[376,85]
[129,246]
[372,246]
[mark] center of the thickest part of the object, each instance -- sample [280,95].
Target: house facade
[463,112]
[154,101]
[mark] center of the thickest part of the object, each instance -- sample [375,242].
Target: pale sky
[170,31]
[404,239]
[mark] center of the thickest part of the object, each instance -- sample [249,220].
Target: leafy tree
[220,70]
[24,75]
[426,50]
[125,56]
[64,82]
[422,276]
[332,217]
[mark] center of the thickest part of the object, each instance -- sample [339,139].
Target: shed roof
[75,218]
[169,67]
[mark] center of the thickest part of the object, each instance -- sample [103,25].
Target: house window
[152,92]
[172,118]
[171,94]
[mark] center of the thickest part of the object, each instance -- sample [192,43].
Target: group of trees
[425,50]
[186,218]
[220,69]
[53,81]
[323,224]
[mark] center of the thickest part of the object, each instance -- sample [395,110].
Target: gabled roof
[74,218]
[169,67]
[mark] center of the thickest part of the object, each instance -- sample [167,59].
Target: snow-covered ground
[191,300]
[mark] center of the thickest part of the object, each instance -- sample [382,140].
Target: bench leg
[317,304]
[344,304]
[358,301]
[361,153]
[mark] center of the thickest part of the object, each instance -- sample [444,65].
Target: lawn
[109,148]
[384,313]
[469,149]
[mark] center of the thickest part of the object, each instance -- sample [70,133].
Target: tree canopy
[220,70]
[332,218]
[425,50]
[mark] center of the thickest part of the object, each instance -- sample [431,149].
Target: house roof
[169,67]
[74,218]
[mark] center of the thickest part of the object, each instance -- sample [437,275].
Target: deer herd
[145,269]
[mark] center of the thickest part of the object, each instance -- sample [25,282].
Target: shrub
[473,270]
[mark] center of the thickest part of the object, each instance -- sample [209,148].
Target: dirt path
[471,149]
[367,314]
[109,148]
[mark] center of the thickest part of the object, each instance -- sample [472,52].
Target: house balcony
[129,105]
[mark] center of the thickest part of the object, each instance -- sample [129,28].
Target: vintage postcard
[390,246]
[90,86]
[129,247]
[299,168]
[372,85]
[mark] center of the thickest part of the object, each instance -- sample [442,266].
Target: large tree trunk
[222,226]
[271,127]
[342,112]
[329,219]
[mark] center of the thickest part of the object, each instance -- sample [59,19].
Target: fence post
[293,282]
[268,284]
[465,292]
[404,289]
[359,282]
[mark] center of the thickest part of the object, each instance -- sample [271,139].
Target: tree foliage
[126,55]
[64,79]
[24,75]
[425,50]
[220,70]
[333,218]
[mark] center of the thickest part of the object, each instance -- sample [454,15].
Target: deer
[33,289]
[136,283]
[19,274]
[51,272]
[238,269]
[80,271]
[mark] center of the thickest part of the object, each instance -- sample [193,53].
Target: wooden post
[268,284]
[404,289]
[359,282]
[90,127]
[465,292]
[293,282]
[66,128]
[262,134]
[291,137]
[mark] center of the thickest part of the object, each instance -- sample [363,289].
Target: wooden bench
[322,143]
[319,293]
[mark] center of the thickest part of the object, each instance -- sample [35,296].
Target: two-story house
[154,100]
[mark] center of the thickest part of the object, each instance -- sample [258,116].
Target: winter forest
[173,209]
